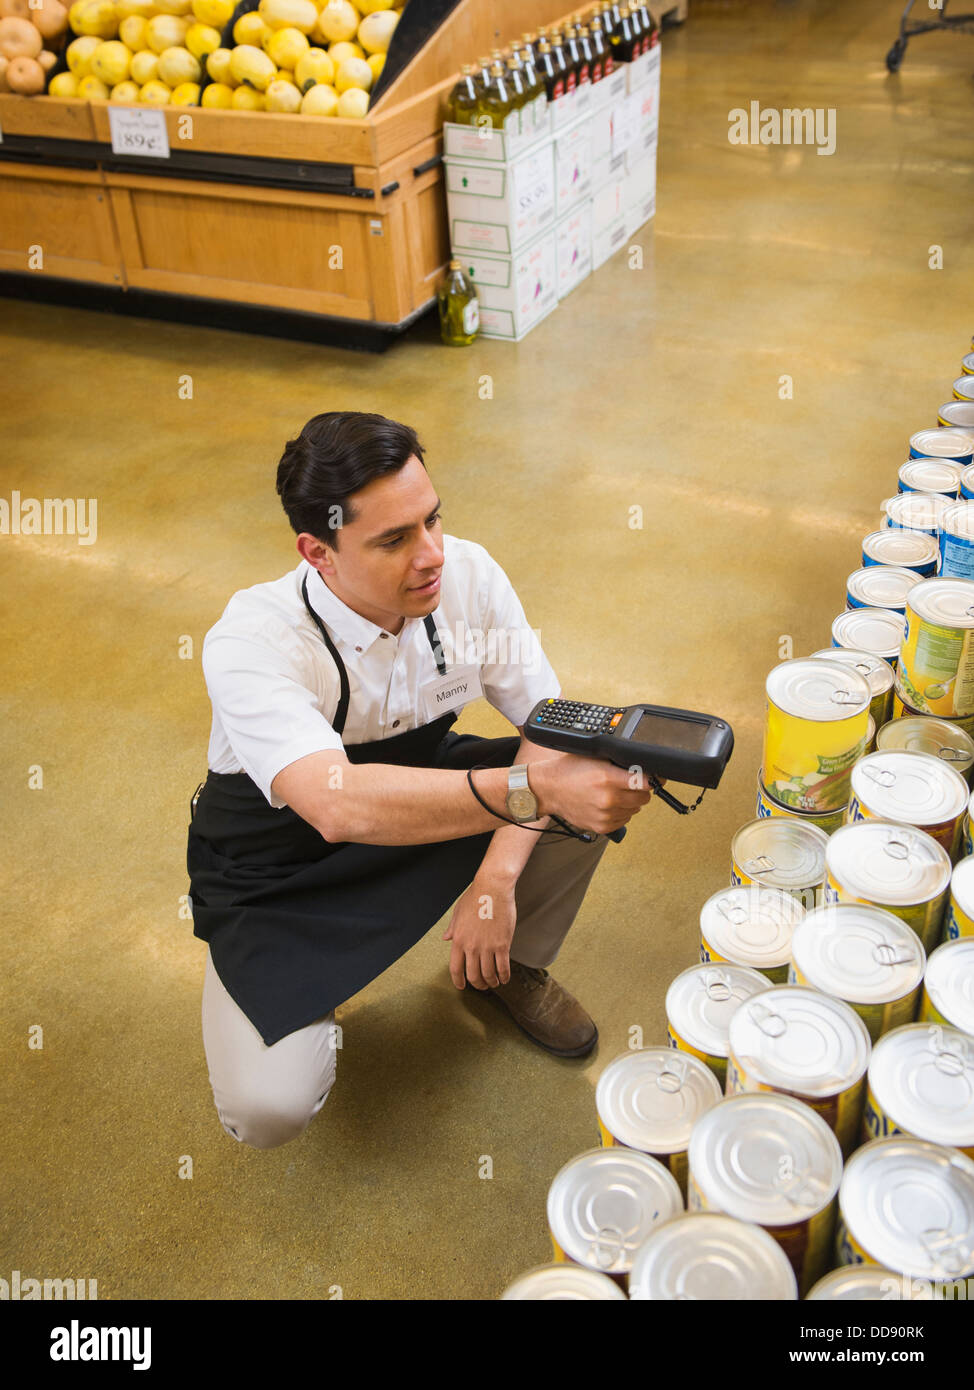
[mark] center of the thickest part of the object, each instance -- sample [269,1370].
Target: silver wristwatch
[522,804]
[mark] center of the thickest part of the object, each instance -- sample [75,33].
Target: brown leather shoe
[546,1012]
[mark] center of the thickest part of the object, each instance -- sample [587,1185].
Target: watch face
[522,804]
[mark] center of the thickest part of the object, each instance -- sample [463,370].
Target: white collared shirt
[275,688]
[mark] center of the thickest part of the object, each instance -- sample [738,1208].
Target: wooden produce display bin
[344,219]
[55,218]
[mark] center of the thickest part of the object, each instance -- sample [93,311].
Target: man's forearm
[385,804]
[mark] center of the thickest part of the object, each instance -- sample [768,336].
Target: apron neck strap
[342,712]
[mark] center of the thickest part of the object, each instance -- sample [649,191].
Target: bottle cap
[455,265]
[497,68]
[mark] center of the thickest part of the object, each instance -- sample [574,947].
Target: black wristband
[566,833]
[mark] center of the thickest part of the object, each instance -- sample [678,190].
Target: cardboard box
[644,69]
[611,89]
[640,188]
[609,167]
[563,110]
[499,207]
[491,146]
[625,123]
[515,292]
[607,242]
[573,165]
[608,204]
[573,246]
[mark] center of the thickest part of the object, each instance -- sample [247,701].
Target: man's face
[394,546]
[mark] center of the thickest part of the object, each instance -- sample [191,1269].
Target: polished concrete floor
[658,388]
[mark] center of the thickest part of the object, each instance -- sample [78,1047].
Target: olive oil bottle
[588,56]
[462,103]
[601,52]
[520,96]
[623,39]
[459,308]
[495,102]
[561,60]
[554,81]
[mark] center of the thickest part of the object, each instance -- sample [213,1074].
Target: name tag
[452,691]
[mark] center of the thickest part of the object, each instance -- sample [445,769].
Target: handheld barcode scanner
[677,744]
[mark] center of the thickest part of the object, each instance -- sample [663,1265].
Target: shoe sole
[582,1051]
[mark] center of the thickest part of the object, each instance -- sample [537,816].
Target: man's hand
[481,930]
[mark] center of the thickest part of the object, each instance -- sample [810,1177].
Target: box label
[481,236]
[469,178]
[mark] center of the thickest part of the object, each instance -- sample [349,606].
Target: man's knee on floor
[267,1123]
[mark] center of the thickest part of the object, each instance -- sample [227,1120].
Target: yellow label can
[817,726]
[936,667]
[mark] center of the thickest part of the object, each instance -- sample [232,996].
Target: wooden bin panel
[66,212]
[261,134]
[252,245]
[55,118]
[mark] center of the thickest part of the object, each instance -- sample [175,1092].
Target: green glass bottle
[459,308]
[495,101]
[463,99]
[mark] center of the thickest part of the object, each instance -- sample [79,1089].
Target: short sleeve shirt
[274,686]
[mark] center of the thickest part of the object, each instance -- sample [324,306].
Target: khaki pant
[266,1096]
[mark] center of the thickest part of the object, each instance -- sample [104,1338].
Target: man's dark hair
[334,456]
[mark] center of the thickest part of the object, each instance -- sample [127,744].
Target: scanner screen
[670,733]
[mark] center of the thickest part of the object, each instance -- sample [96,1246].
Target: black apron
[297,924]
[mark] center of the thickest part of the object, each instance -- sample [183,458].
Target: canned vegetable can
[817,720]
[946,442]
[908,1205]
[925,733]
[911,789]
[604,1203]
[750,926]
[880,586]
[957,415]
[902,548]
[780,853]
[936,666]
[894,867]
[957,541]
[769,1159]
[921,1082]
[558,1282]
[650,1100]
[870,1283]
[876,671]
[875,630]
[704,1256]
[799,1042]
[917,511]
[930,475]
[948,986]
[700,1002]
[960,907]
[865,956]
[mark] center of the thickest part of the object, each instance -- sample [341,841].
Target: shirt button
[395,723]
[358,649]
[383,634]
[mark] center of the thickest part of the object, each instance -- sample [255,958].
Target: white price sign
[138,131]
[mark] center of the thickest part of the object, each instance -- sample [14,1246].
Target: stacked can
[650,1100]
[876,630]
[786,854]
[604,1203]
[705,1256]
[816,727]
[921,1083]
[946,442]
[957,540]
[948,986]
[880,586]
[911,789]
[903,549]
[799,1042]
[869,1283]
[930,475]
[865,956]
[770,1160]
[957,415]
[894,867]
[915,511]
[559,1282]
[908,1205]
[925,733]
[700,1003]
[935,673]
[750,926]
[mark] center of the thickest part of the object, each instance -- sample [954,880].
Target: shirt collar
[351,627]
